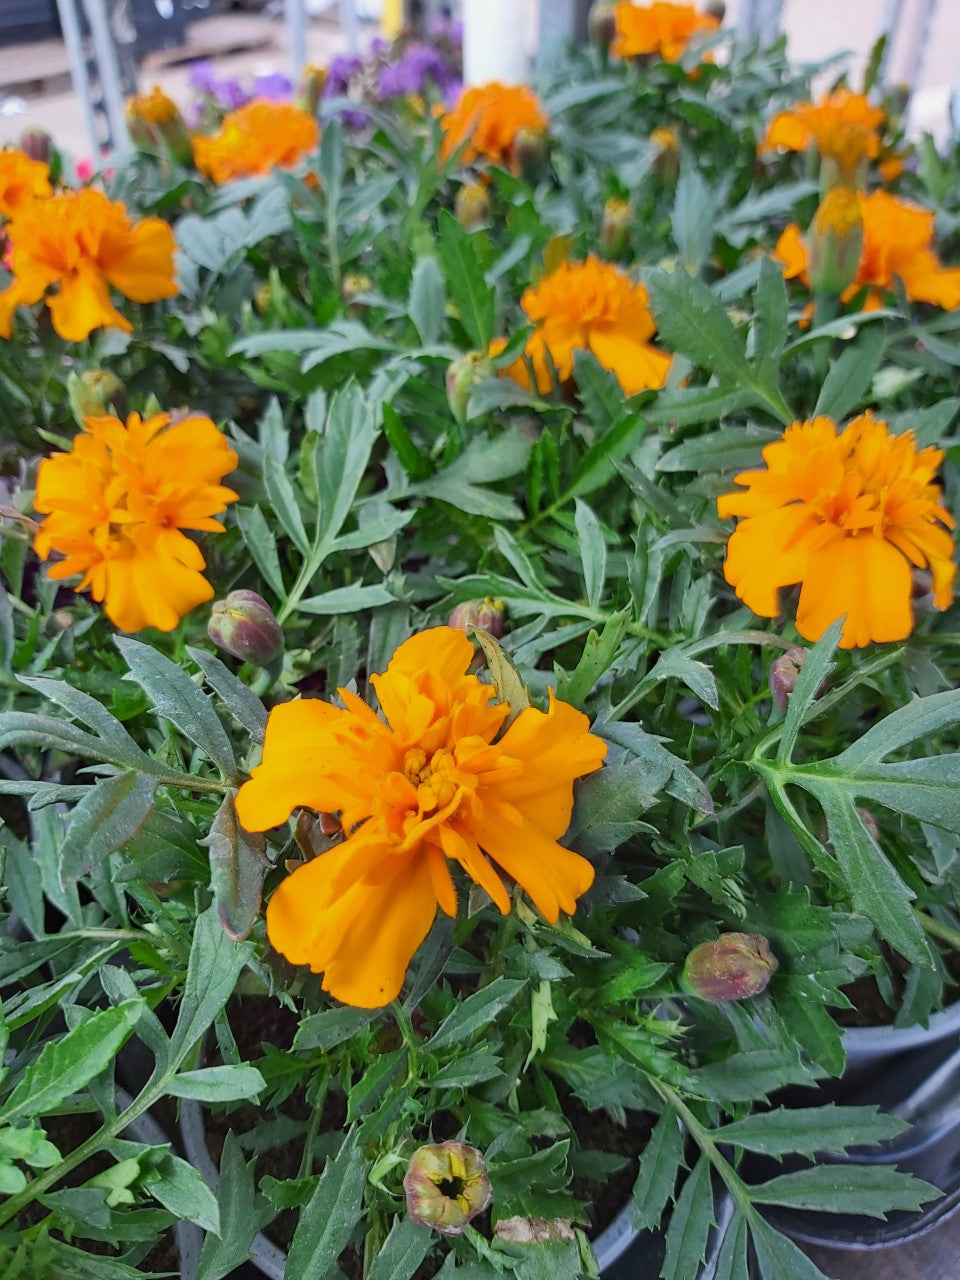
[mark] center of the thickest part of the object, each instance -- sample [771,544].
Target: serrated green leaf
[470,293]
[217,1084]
[427,298]
[403,1251]
[242,703]
[283,500]
[809,1130]
[68,1064]
[727,449]
[778,1257]
[330,1027]
[109,814]
[690,1224]
[474,1013]
[262,545]
[238,863]
[335,1208]
[660,1164]
[593,551]
[873,1189]
[179,1187]
[817,665]
[177,699]
[237,1209]
[343,452]
[348,600]
[732,1261]
[850,376]
[694,217]
[770,322]
[213,968]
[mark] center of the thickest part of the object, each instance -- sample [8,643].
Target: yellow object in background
[391,20]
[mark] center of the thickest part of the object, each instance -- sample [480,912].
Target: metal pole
[108,70]
[768,21]
[70,26]
[296,14]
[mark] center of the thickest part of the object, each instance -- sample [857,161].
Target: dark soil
[869,1007]
[260,1020]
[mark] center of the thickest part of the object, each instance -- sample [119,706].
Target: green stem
[937,929]
[705,1142]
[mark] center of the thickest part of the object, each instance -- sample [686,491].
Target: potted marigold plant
[428,765]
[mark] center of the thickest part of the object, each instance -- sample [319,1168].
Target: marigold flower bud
[486,614]
[93,393]
[716,9]
[37,144]
[530,153]
[784,673]
[354,284]
[446,1185]
[602,24]
[835,241]
[472,205]
[310,90]
[154,119]
[735,966]
[243,624]
[615,228]
[462,376]
[667,144]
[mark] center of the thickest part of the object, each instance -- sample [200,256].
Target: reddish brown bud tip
[615,228]
[446,1185]
[486,614]
[243,624]
[37,144]
[735,966]
[602,24]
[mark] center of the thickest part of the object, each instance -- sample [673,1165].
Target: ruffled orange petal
[140,262]
[792,252]
[865,580]
[762,557]
[638,366]
[363,941]
[552,876]
[83,304]
[298,753]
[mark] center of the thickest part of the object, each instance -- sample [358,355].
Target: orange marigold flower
[594,306]
[897,240]
[664,30]
[488,118]
[255,139]
[83,243]
[435,783]
[842,126]
[115,506]
[22,181]
[845,515]
[534,358]
[154,107]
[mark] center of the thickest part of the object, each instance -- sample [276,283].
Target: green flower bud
[462,376]
[310,89]
[615,227]
[530,153]
[243,624]
[354,284]
[446,1185]
[835,241]
[735,966]
[472,205]
[486,614]
[94,393]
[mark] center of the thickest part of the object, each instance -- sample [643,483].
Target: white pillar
[108,70]
[494,41]
[70,26]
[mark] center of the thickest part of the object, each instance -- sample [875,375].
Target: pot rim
[862,1044]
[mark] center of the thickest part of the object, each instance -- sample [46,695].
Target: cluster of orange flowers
[897,243]
[843,127]
[662,30]
[255,139]
[589,306]
[115,506]
[488,118]
[433,786]
[847,516]
[83,243]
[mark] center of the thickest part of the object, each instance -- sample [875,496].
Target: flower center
[434,777]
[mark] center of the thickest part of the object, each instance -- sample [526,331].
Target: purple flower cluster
[225,91]
[420,67]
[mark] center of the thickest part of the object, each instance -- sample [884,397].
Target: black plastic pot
[922,1087]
